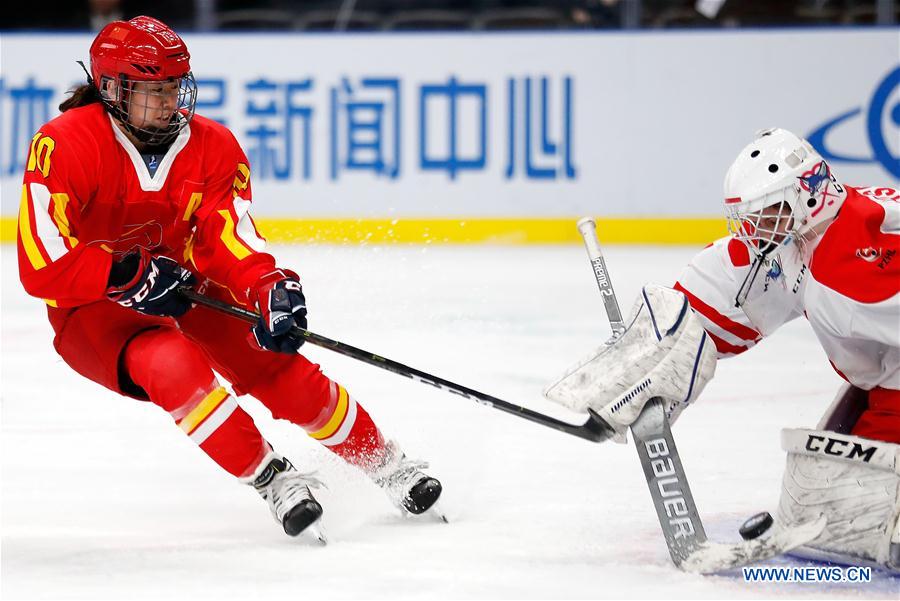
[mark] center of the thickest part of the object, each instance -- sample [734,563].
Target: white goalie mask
[779,189]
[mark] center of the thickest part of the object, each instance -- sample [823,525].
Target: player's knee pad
[169,367]
[664,352]
[855,483]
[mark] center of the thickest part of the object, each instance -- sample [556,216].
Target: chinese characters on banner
[364,119]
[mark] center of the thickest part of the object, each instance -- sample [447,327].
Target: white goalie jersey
[846,283]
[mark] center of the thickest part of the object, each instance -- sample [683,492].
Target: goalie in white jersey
[802,244]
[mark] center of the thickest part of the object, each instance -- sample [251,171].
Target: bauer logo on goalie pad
[839,448]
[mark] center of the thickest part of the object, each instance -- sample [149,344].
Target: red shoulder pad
[738,253]
[857,256]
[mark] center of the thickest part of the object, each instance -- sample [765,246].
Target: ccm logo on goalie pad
[839,448]
[670,488]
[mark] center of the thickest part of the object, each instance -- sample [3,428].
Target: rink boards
[504,138]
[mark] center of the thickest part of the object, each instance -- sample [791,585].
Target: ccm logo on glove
[149,285]
[145,287]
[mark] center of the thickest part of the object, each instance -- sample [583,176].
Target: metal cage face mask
[764,227]
[147,102]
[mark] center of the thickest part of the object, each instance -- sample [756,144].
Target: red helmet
[140,50]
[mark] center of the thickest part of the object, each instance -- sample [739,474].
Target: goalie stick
[678,516]
[594,429]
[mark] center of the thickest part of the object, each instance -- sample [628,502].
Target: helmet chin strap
[766,256]
[767,247]
[744,290]
[815,231]
[154,136]
[151,136]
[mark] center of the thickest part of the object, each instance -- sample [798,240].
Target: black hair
[83,95]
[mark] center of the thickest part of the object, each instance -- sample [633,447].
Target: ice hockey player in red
[127,196]
[802,244]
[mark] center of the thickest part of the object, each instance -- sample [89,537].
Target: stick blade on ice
[710,557]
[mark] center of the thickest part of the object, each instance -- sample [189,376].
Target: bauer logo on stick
[666,479]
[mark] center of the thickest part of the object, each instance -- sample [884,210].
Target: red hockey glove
[279,298]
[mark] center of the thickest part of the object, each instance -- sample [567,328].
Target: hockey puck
[756,525]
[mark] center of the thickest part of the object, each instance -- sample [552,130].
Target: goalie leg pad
[664,352]
[855,483]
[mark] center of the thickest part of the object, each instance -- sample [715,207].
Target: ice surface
[102,497]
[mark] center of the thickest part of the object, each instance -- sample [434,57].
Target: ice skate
[407,486]
[286,490]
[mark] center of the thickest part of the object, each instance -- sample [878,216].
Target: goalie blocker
[663,352]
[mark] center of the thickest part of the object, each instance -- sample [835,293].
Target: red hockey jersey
[88,198]
[846,283]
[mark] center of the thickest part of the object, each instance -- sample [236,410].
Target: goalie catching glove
[281,304]
[664,352]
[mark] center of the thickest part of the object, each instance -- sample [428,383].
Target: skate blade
[438,512]
[435,512]
[316,533]
[432,514]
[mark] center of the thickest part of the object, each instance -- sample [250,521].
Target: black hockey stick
[672,498]
[592,430]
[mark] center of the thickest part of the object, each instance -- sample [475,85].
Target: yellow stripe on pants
[199,413]
[336,418]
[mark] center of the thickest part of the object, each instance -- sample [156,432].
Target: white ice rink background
[103,497]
